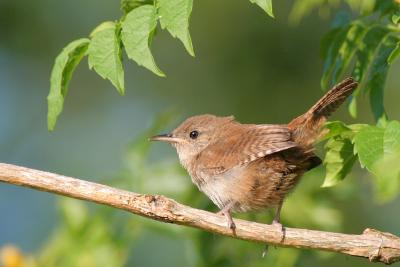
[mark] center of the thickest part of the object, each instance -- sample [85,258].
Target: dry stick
[371,244]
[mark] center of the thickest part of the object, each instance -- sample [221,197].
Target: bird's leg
[277,219]
[226,211]
[276,222]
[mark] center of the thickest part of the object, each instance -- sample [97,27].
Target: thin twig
[372,244]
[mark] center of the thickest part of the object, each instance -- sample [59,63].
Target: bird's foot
[227,213]
[230,223]
[277,224]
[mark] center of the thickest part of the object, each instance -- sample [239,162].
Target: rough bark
[371,244]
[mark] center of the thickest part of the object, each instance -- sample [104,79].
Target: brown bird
[246,167]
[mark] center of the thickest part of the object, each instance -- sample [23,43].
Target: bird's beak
[166,138]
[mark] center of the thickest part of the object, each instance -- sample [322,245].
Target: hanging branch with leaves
[366,48]
[134,33]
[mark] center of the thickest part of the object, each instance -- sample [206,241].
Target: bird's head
[194,135]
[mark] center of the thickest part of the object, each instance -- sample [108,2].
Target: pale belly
[246,188]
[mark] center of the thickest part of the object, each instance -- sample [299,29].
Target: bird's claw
[224,212]
[231,224]
[277,224]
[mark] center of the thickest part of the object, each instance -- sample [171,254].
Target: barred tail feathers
[307,127]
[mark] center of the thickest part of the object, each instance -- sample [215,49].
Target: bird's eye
[194,134]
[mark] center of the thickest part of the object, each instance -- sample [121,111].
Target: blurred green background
[259,69]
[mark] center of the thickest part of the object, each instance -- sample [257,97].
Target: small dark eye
[194,134]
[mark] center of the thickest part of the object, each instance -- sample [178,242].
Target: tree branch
[372,244]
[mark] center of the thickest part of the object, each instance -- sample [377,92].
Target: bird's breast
[260,184]
[220,187]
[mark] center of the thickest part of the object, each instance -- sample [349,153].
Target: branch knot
[388,250]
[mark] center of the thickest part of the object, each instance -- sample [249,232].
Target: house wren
[246,167]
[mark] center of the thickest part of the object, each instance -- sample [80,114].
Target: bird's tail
[306,128]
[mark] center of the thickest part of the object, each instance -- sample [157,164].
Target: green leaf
[341,53]
[366,52]
[266,5]
[373,143]
[128,5]
[105,54]
[335,128]
[137,30]
[347,50]
[395,53]
[391,141]
[340,155]
[379,151]
[377,76]
[368,144]
[387,178]
[61,74]
[174,16]
[388,168]
[339,160]
[353,106]
[334,39]
[364,56]
[355,128]
[103,26]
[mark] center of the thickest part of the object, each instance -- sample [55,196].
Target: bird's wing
[244,145]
